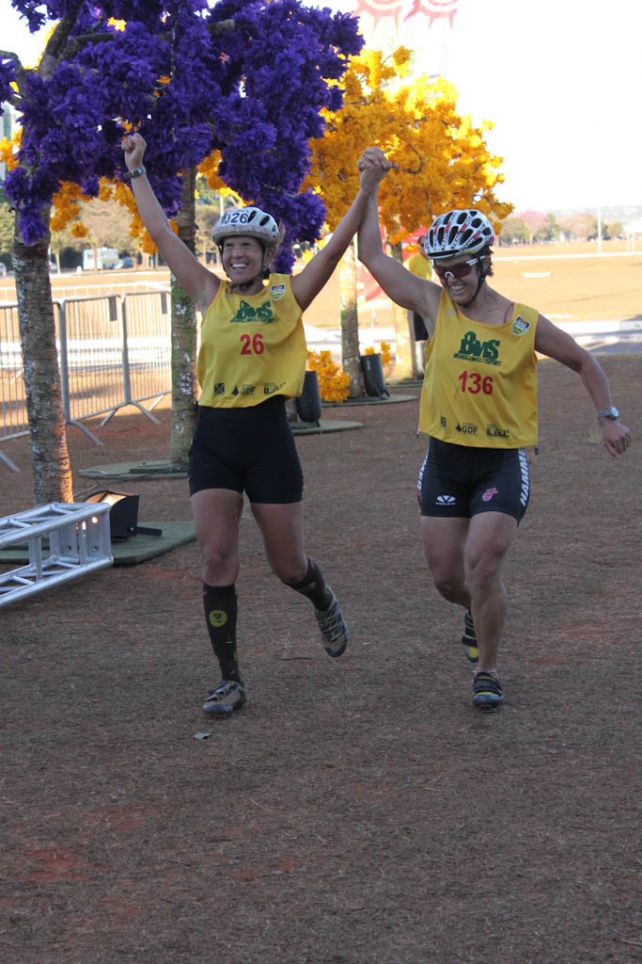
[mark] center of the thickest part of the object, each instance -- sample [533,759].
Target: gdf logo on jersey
[445,500]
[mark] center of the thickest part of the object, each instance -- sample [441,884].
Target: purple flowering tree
[246,78]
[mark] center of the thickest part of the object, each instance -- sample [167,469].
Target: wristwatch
[611,412]
[135,172]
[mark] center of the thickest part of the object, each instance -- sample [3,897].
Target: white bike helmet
[464,231]
[249,221]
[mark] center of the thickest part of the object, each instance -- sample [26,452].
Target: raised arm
[307,285]
[200,284]
[557,344]
[400,285]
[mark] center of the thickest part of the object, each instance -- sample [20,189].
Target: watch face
[613,412]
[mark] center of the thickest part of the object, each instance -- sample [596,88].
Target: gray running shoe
[227,697]
[487,692]
[333,626]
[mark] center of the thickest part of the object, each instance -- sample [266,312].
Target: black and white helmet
[251,222]
[456,232]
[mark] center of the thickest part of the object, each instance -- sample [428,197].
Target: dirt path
[358,811]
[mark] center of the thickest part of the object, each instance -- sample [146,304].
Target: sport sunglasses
[456,270]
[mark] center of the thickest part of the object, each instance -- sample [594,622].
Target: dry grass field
[573,282]
[565,282]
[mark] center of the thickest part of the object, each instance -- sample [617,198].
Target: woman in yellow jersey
[479,407]
[252,357]
[419,264]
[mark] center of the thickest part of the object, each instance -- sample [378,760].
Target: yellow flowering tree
[334,383]
[441,161]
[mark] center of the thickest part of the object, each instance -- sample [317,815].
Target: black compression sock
[313,587]
[221,611]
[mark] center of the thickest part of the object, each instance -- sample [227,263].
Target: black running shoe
[487,691]
[469,639]
[227,697]
[333,626]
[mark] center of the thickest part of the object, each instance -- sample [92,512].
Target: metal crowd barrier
[13,404]
[113,351]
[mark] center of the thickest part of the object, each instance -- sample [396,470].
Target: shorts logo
[466,428]
[520,326]
[525,490]
[489,493]
[446,500]
[277,291]
[217,617]
[219,388]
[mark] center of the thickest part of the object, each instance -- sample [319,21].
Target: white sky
[560,79]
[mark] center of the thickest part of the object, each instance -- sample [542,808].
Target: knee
[483,572]
[448,586]
[290,571]
[218,566]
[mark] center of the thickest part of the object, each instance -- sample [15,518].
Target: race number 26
[473,383]
[252,344]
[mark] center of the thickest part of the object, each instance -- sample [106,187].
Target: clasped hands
[373,166]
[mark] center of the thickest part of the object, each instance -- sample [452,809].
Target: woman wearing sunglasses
[479,408]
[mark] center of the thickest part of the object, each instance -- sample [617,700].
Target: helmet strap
[483,274]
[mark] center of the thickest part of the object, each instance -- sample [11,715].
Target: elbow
[586,364]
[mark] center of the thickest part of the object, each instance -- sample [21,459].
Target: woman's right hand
[133,146]
[373,167]
[374,157]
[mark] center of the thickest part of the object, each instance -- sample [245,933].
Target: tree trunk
[350,319]
[51,469]
[184,339]
[404,347]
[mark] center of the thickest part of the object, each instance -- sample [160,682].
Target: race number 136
[473,383]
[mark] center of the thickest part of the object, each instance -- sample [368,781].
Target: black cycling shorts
[419,327]
[248,450]
[459,481]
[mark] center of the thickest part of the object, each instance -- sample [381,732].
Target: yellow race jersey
[480,384]
[420,266]
[252,346]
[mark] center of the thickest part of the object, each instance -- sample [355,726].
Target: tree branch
[84,39]
[21,72]
[55,48]
[10,55]
[221,26]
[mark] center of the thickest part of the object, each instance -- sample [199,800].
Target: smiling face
[243,260]
[460,276]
